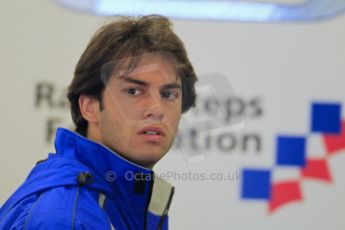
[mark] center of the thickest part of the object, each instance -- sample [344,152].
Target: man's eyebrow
[133,80]
[172,86]
[144,83]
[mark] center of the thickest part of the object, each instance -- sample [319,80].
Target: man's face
[141,110]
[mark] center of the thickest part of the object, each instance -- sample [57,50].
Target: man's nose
[153,107]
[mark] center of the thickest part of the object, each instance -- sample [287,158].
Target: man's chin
[145,156]
[148,162]
[147,159]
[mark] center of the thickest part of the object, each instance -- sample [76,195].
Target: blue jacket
[85,185]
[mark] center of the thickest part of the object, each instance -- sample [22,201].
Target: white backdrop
[283,67]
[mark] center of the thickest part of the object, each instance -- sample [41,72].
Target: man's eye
[134,92]
[169,95]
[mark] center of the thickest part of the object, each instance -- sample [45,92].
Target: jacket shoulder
[66,207]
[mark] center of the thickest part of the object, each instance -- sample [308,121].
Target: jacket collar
[107,164]
[132,183]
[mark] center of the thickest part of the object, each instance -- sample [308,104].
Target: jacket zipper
[165,213]
[75,206]
[148,201]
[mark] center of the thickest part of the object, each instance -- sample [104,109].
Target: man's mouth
[152,133]
[152,130]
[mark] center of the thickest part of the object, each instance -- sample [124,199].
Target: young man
[130,87]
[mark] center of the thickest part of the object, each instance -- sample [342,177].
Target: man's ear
[89,108]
